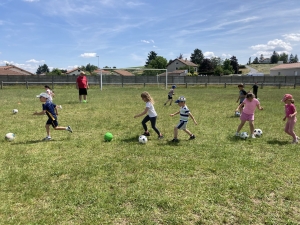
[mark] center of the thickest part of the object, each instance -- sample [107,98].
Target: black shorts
[170,97]
[54,123]
[82,91]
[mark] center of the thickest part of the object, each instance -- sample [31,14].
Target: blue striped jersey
[184,113]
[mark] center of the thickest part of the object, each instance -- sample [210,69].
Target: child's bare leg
[60,128]
[240,126]
[48,129]
[175,132]
[251,124]
[188,132]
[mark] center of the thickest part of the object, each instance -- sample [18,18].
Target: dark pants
[153,122]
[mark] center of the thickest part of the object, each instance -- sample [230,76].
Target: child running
[290,115]
[170,95]
[242,95]
[152,115]
[184,115]
[250,104]
[50,110]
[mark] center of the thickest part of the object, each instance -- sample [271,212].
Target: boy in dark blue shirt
[50,110]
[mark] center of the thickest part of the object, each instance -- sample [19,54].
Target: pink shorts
[247,117]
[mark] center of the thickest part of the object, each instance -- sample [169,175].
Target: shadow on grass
[131,139]
[277,142]
[32,142]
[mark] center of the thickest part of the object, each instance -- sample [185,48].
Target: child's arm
[259,107]
[294,114]
[175,113]
[143,113]
[40,113]
[191,115]
[56,112]
[239,107]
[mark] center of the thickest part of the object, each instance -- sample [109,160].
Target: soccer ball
[237,114]
[15,111]
[10,136]
[143,139]
[244,135]
[108,136]
[258,132]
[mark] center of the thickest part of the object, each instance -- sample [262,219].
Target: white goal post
[139,70]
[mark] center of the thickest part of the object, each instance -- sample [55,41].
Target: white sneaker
[237,134]
[69,129]
[47,138]
[253,136]
[60,106]
[294,142]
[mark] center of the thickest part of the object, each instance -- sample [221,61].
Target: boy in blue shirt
[50,110]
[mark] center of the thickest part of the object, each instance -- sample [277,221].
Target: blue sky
[69,33]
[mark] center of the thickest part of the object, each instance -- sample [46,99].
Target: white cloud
[226,56]
[208,54]
[292,37]
[88,55]
[147,42]
[274,45]
[35,61]
[31,0]
[134,4]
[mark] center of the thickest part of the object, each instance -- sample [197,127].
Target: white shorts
[182,125]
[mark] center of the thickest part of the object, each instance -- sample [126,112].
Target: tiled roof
[104,72]
[187,62]
[71,71]
[123,73]
[286,66]
[13,70]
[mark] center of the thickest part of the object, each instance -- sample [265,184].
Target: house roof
[71,71]
[173,73]
[123,73]
[103,71]
[184,61]
[286,66]
[13,70]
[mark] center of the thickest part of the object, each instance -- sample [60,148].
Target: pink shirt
[250,106]
[289,109]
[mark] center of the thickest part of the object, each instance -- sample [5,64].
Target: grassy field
[79,178]
[263,68]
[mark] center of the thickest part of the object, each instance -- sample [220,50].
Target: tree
[255,61]
[152,55]
[235,65]
[90,68]
[249,61]
[218,70]
[296,58]
[190,69]
[216,61]
[180,56]
[274,58]
[56,71]
[206,66]
[158,63]
[291,58]
[227,67]
[261,58]
[42,69]
[197,57]
[283,57]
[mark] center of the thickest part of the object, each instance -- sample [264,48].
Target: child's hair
[147,96]
[250,95]
[240,85]
[46,86]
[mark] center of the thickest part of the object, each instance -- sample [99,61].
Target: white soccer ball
[143,139]
[244,135]
[258,132]
[15,111]
[237,114]
[10,136]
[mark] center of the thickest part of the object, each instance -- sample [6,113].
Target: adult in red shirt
[82,85]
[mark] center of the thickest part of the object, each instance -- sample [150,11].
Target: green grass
[80,179]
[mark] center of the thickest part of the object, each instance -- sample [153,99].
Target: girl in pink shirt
[250,103]
[290,115]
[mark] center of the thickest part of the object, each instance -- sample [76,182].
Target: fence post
[262,85]
[295,86]
[206,85]
[144,84]
[185,85]
[26,84]
[1,84]
[279,85]
[224,85]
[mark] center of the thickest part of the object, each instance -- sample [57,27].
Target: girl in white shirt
[151,114]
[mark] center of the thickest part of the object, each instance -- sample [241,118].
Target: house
[104,72]
[73,72]
[265,61]
[13,70]
[178,63]
[122,73]
[288,69]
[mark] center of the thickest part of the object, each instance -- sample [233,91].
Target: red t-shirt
[82,81]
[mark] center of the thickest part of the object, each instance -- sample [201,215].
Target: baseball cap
[82,72]
[44,95]
[287,97]
[180,99]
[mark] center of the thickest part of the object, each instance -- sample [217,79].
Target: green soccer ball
[108,136]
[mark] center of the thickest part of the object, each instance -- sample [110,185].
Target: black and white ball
[143,139]
[244,135]
[15,111]
[258,132]
[237,114]
[10,136]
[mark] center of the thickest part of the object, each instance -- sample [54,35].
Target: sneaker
[175,140]
[237,134]
[165,103]
[297,138]
[160,137]
[47,138]
[192,137]
[146,133]
[295,142]
[253,136]
[60,106]
[69,129]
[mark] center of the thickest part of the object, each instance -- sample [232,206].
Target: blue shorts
[54,123]
[170,97]
[182,125]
